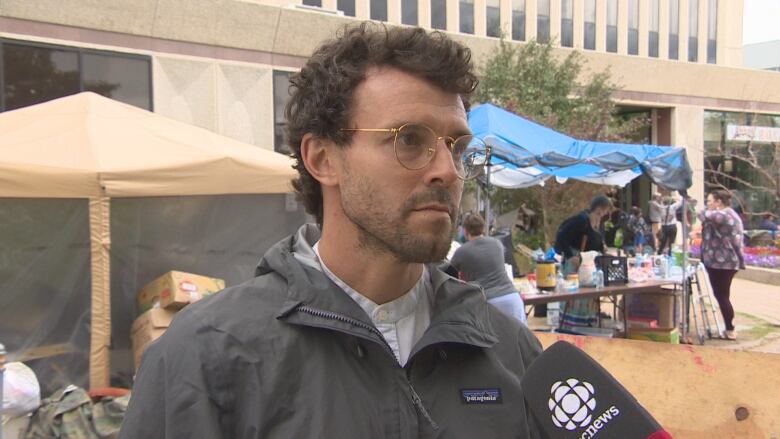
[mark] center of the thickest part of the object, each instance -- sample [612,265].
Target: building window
[590,25]
[409,12]
[712,32]
[652,40]
[466,16]
[493,18]
[674,29]
[347,7]
[693,30]
[439,14]
[612,34]
[633,27]
[379,10]
[740,156]
[317,3]
[33,73]
[281,96]
[543,21]
[567,23]
[518,20]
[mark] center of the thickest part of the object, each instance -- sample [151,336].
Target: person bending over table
[577,234]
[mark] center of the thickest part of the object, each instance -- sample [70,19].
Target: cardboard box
[176,289]
[147,328]
[658,307]
[641,322]
[664,335]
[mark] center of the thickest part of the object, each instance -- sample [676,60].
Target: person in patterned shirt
[721,251]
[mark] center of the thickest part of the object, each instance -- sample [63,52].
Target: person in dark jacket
[580,233]
[348,329]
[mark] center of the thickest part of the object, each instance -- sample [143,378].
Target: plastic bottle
[598,277]
[560,284]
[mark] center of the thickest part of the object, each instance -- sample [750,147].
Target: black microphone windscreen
[572,396]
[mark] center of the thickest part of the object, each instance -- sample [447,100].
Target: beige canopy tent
[89,146]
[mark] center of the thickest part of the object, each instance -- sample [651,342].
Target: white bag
[21,391]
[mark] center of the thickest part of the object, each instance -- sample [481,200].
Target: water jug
[587,267]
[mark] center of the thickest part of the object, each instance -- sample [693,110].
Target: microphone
[570,395]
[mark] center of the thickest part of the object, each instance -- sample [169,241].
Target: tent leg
[487,200]
[685,280]
[100,337]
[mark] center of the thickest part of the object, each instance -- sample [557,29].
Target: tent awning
[525,153]
[87,145]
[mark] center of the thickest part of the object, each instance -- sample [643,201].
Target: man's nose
[442,169]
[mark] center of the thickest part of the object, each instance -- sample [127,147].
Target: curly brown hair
[321,93]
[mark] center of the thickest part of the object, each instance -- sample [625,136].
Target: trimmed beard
[384,231]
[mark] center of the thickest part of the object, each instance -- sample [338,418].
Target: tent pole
[100,264]
[487,199]
[685,281]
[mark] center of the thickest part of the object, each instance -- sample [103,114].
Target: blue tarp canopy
[525,153]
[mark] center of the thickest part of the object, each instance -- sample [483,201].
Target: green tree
[535,82]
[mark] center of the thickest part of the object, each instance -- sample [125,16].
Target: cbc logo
[571,403]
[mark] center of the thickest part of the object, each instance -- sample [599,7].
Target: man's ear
[319,158]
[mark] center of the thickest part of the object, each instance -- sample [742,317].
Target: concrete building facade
[223,64]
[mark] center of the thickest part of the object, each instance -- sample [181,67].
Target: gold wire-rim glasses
[461,162]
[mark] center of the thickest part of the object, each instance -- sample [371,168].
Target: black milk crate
[615,269]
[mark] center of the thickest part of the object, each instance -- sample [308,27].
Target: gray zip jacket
[290,355]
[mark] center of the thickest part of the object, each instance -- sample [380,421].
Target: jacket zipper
[342,318]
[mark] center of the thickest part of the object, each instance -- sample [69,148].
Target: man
[481,261]
[346,332]
[668,234]
[654,213]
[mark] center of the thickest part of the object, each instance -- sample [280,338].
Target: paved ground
[758,317]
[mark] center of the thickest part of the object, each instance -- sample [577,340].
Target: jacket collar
[459,314]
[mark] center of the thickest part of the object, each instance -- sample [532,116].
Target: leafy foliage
[532,81]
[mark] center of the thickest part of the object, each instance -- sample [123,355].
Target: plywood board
[695,392]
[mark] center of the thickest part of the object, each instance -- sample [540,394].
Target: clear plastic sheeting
[45,288]
[218,236]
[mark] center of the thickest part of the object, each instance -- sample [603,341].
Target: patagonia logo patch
[480,396]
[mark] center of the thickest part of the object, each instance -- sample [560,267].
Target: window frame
[80,51]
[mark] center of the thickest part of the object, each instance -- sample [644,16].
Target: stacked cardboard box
[159,301]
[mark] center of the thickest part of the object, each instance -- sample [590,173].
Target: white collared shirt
[402,321]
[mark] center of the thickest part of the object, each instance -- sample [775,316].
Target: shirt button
[382,315]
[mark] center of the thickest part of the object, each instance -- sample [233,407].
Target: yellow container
[545,275]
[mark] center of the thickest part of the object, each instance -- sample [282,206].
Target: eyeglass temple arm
[373,130]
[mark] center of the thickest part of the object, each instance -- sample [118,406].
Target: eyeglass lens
[415,146]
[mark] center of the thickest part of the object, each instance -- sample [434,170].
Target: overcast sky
[761,21]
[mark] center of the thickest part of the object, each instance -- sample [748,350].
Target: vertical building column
[480,18]
[394,11]
[663,29]
[622,24]
[579,24]
[505,9]
[423,13]
[329,4]
[704,10]
[688,131]
[362,10]
[684,28]
[729,44]
[555,22]
[453,16]
[601,25]
[644,26]
[530,20]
